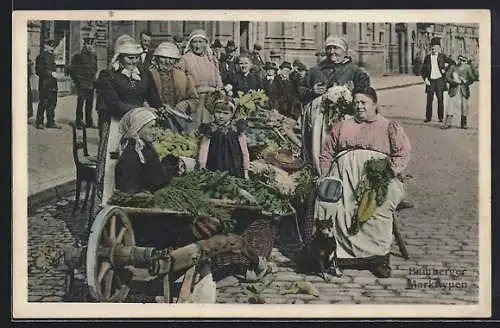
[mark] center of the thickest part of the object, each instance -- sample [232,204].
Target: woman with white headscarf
[199,62]
[139,168]
[176,87]
[125,85]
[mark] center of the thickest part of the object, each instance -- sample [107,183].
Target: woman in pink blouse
[199,62]
[367,130]
[368,135]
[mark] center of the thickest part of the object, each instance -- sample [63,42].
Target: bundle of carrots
[371,192]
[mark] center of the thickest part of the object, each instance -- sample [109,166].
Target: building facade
[381,48]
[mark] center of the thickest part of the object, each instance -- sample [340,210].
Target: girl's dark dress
[224,152]
[133,176]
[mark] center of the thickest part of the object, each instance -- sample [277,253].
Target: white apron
[375,236]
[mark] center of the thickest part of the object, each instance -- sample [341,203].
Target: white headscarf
[200,34]
[130,125]
[125,44]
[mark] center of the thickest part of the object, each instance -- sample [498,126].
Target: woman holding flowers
[368,243]
[223,145]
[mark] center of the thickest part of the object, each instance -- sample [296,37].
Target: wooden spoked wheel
[107,279]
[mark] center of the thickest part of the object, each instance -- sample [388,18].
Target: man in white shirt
[433,72]
[147,51]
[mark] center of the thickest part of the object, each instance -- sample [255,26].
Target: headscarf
[125,44]
[165,49]
[208,51]
[130,125]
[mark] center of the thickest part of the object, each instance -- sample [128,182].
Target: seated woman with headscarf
[370,135]
[199,62]
[125,85]
[139,168]
[175,86]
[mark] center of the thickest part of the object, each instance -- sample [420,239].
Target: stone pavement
[441,232]
[49,151]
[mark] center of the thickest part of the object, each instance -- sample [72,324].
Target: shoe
[381,271]
[445,127]
[427,121]
[40,126]
[440,120]
[403,205]
[52,126]
[463,122]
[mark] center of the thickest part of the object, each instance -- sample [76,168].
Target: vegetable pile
[195,191]
[246,103]
[371,191]
[176,144]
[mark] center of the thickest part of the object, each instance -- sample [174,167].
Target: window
[344,28]
[303,30]
[361,31]
[373,32]
[381,37]
[390,32]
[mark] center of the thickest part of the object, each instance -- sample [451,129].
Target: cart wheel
[106,281]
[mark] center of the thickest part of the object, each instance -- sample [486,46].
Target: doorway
[244,36]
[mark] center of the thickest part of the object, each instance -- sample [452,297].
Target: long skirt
[375,236]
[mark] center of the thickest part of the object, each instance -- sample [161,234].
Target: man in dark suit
[147,51]
[271,70]
[45,68]
[83,71]
[228,63]
[433,73]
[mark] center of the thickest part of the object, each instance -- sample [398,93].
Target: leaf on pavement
[302,287]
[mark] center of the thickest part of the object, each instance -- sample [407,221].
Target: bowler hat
[88,40]
[217,44]
[230,46]
[300,66]
[178,38]
[286,64]
[50,43]
[435,41]
[257,47]
[269,65]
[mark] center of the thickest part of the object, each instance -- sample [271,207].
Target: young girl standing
[223,145]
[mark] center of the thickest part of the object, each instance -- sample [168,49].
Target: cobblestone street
[441,231]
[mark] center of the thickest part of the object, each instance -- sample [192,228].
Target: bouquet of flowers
[336,103]
[246,103]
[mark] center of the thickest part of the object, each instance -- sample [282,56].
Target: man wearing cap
[337,68]
[271,70]
[283,96]
[460,77]
[82,70]
[257,60]
[298,73]
[228,64]
[45,68]
[217,49]
[179,41]
[433,72]
[147,51]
